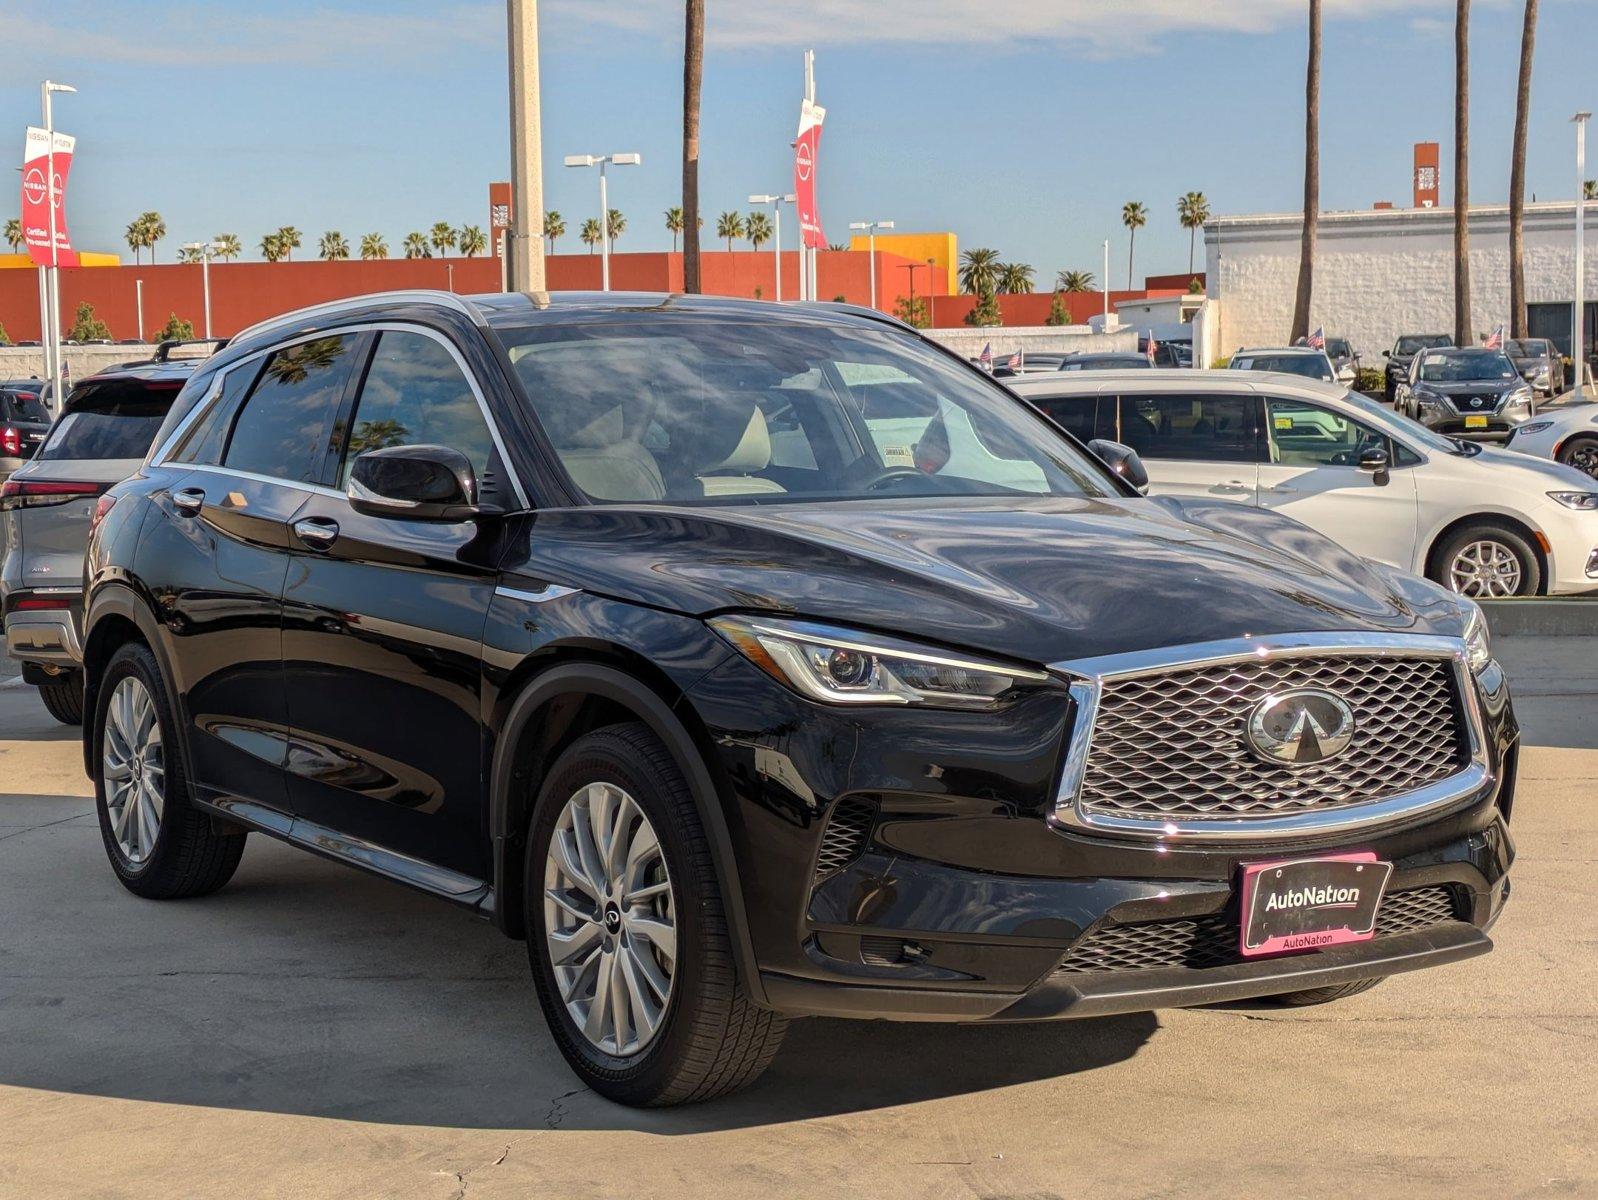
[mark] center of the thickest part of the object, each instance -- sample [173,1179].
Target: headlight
[1582,501]
[1429,399]
[846,666]
[1478,646]
[1520,396]
[1534,426]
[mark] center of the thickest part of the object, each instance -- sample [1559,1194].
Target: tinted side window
[282,430]
[415,394]
[1197,428]
[1074,414]
[113,419]
[205,440]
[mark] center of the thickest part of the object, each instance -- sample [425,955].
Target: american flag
[1495,339]
[1152,345]
[1014,362]
[1317,340]
[986,357]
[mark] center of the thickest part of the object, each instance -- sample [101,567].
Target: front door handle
[188,501]
[316,532]
[1282,489]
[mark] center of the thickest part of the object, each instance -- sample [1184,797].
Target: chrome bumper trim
[45,636]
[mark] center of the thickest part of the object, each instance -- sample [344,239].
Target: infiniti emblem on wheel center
[1300,728]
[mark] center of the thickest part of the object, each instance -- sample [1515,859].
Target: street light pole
[204,250]
[1578,320]
[776,203]
[1106,328]
[602,161]
[138,307]
[524,254]
[52,335]
[869,228]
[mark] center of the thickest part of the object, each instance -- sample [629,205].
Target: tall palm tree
[1517,179]
[134,236]
[190,254]
[442,236]
[333,247]
[757,227]
[693,75]
[615,225]
[416,245]
[1462,333]
[373,245]
[272,248]
[1589,189]
[554,227]
[14,233]
[1134,216]
[154,231]
[979,271]
[1075,281]
[228,246]
[730,225]
[1312,179]
[472,241]
[291,239]
[674,221]
[1014,279]
[590,234]
[1192,210]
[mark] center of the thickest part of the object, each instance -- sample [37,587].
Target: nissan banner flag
[37,166]
[806,149]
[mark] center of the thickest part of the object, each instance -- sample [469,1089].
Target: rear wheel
[1581,453]
[627,932]
[1487,562]
[1325,995]
[64,698]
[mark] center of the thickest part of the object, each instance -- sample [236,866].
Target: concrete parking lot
[311,1032]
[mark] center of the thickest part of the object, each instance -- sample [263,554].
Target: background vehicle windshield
[1105,363]
[18,405]
[1417,342]
[1339,348]
[1461,366]
[687,410]
[1402,429]
[1312,366]
[1531,348]
[114,419]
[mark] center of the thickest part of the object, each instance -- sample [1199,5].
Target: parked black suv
[753,661]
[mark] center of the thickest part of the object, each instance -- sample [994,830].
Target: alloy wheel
[133,767]
[1485,568]
[1584,457]
[610,919]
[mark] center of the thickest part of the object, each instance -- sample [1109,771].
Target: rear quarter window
[23,406]
[118,418]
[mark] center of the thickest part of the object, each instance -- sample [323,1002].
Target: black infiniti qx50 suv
[756,661]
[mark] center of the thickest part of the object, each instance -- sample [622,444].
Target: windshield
[1465,366]
[1312,366]
[1339,348]
[1423,341]
[1405,430]
[682,409]
[1534,348]
[115,419]
[1132,361]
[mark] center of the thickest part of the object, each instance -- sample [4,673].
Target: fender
[610,684]
[118,598]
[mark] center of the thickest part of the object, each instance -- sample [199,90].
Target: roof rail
[332,307]
[163,349]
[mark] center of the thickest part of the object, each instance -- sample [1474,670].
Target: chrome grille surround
[1420,789]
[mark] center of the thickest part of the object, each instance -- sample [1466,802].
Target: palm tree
[14,233]
[190,254]
[979,271]
[442,236]
[272,248]
[1462,331]
[1589,189]
[228,246]
[1134,216]
[1312,178]
[373,245]
[757,227]
[1014,279]
[154,231]
[290,238]
[730,225]
[693,75]
[134,236]
[1192,210]
[472,241]
[1075,281]
[590,234]
[615,225]
[674,225]
[333,247]
[416,245]
[554,227]
[1517,179]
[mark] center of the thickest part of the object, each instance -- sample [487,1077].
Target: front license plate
[1475,422]
[1308,903]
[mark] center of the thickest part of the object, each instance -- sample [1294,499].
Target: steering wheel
[888,474]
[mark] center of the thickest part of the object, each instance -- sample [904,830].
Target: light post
[602,161]
[52,335]
[776,203]
[523,262]
[1106,328]
[204,250]
[869,228]
[1579,316]
[138,307]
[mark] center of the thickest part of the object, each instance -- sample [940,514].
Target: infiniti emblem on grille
[1300,728]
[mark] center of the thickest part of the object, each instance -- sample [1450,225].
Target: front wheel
[627,930]
[1581,453]
[1487,562]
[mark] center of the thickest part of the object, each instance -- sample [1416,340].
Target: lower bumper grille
[1212,941]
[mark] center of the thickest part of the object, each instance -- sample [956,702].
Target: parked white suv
[1482,521]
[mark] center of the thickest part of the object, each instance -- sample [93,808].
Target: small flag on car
[1317,340]
[1495,339]
[986,357]
[1152,345]
[1014,362]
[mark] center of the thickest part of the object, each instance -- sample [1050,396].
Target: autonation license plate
[1308,903]
[1475,422]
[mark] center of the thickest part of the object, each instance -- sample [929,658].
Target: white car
[1568,435]
[1480,520]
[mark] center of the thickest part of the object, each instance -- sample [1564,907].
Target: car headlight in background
[1519,397]
[1478,646]
[847,666]
[1581,501]
[1429,400]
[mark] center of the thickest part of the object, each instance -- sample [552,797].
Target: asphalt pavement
[312,1032]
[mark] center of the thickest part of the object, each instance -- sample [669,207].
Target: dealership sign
[806,149]
[39,167]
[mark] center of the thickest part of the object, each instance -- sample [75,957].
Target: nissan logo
[1300,728]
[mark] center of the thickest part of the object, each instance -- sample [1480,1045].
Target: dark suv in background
[756,661]
[1396,371]
[24,421]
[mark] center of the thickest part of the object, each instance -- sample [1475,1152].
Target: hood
[1548,474]
[1471,387]
[1039,580]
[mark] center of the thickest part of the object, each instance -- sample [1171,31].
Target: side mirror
[1123,460]
[1374,459]
[1387,354]
[414,483]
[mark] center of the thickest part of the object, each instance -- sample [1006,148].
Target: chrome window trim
[1087,678]
[161,457]
[298,485]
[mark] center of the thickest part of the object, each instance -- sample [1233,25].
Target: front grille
[1171,745]
[1212,941]
[844,839]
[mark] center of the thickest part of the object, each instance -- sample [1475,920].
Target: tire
[188,855]
[709,1038]
[1325,995]
[1389,390]
[1581,453]
[1487,548]
[64,699]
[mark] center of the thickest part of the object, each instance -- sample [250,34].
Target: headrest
[752,452]
[604,430]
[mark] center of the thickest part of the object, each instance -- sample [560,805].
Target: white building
[1383,272]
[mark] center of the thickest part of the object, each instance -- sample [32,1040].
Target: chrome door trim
[1087,678]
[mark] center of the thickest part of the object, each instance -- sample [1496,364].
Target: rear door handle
[188,500]
[1233,485]
[316,532]
[1282,489]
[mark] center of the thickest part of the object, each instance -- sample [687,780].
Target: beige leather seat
[608,465]
[734,475]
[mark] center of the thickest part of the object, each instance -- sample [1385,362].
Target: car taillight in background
[40,493]
[101,507]
[11,441]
